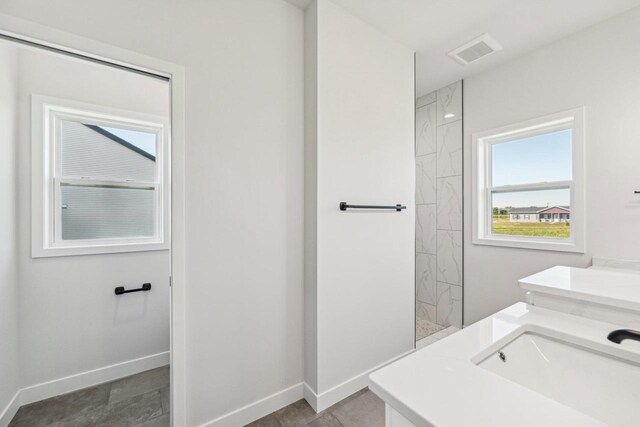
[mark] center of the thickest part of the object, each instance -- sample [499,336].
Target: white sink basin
[560,370]
[600,385]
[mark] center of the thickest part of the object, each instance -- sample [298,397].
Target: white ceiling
[434,27]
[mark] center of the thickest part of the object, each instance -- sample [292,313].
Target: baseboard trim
[240,416]
[10,410]
[311,397]
[79,381]
[320,402]
[259,408]
[82,380]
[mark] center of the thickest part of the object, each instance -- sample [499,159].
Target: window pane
[544,213]
[106,153]
[104,212]
[540,158]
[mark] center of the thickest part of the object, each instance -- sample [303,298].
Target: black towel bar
[145,287]
[344,206]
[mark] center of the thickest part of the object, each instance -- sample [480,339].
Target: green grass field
[502,225]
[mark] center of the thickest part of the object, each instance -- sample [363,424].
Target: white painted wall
[363,150]
[596,68]
[70,319]
[311,197]
[244,179]
[9,355]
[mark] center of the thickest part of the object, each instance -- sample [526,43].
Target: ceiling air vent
[475,49]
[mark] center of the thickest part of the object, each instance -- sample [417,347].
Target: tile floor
[425,328]
[141,400]
[436,337]
[361,409]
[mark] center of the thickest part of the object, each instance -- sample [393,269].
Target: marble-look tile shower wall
[439,206]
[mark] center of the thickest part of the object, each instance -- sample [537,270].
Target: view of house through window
[527,214]
[530,187]
[107,181]
[104,185]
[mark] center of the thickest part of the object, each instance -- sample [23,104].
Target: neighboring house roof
[556,208]
[536,209]
[121,141]
[529,210]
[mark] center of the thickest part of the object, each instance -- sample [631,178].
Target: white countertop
[600,285]
[441,385]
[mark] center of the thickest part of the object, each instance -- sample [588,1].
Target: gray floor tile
[130,412]
[327,420]
[270,420]
[346,400]
[367,410]
[165,399]
[299,413]
[138,384]
[362,408]
[87,417]
[47,412]
[161,421]
[141,398]
[39,416]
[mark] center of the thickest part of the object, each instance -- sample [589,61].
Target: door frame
[37,35]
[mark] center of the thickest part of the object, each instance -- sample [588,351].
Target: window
[528,184]
[100,179]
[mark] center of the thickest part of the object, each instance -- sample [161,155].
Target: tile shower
[439,278]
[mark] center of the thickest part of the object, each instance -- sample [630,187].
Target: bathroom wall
[70,320]
[311,196]
[439,278]
[596,68]
[359,265]
[9,355]
[244,181]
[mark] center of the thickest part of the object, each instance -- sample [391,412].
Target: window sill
[98,249]
[521,242]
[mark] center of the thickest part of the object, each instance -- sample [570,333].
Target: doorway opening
[86,154]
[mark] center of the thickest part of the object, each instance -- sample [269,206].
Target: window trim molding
[481,170]
[45,217]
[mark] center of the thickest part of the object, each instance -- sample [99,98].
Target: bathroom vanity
[544,362]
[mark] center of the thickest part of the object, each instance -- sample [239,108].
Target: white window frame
[46,209]
[482,188]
